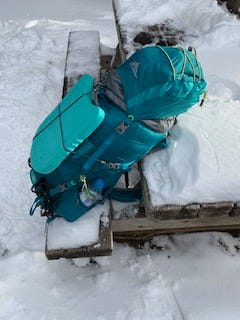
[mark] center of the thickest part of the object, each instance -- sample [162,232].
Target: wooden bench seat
[83,56]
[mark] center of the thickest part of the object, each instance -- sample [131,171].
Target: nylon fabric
[155,93]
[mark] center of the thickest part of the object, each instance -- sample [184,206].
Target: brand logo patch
[134,66]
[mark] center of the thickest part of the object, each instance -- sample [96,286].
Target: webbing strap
[67,185]
[98,152]
[119,129]
[37,202]
[63,187]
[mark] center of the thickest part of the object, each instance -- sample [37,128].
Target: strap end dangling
[203,99]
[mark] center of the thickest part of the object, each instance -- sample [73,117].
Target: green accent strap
[186,57]
[85,189]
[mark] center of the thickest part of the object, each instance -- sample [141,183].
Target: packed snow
[191,276]
[83,57]
[202,161]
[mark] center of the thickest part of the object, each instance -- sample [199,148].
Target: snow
[83,56]
[185,277]
[201,21]
[191,276]
[202,161]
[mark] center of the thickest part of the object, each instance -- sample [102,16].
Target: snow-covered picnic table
[182,276]
[199,173]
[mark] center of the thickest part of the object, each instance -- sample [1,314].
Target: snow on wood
[143,227]
[84,231]
[88,236]
[198,166]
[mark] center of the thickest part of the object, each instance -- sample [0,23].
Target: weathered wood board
[148,227]
[192,210]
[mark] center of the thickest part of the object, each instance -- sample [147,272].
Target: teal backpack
[99,130]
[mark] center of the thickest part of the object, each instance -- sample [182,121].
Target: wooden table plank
[149,225]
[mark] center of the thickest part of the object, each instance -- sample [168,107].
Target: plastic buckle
[122,127]
[113,165]
[62,187]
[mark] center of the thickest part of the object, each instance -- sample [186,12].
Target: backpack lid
[160,82]
[66,127]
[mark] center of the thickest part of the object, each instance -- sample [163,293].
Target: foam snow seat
[60,133]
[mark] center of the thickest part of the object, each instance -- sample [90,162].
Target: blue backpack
[99,130]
